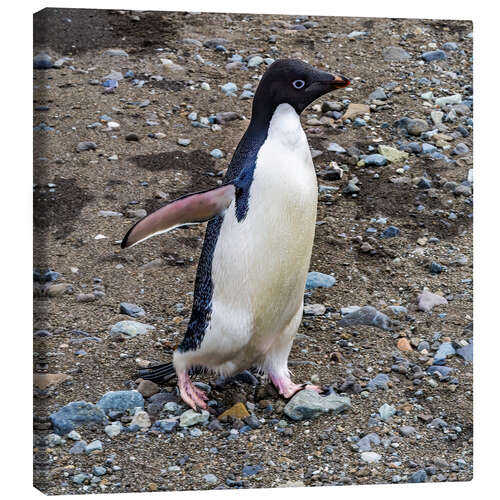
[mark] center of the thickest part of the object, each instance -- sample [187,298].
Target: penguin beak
[339,82]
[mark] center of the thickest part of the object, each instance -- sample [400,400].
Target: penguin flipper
[190,209]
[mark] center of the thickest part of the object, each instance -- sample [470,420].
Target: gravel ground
[384,232]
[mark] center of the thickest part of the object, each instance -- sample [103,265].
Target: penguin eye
[298,84]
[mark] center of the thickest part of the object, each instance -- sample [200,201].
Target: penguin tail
[158,373]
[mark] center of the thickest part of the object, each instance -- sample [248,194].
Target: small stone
[370,457]
[404,345]
[386,411]
[333,146]
[86,146]
[375,160]
[428,300]
[314,309]
[210,478]
[418,477]
[366,315]
[417,127]
[319,280]
[434,55]
[165,426]
[115,53]
[132,137]
[75,414]
[395,54]
[131,310]
[307,404]
[42,61]
[255,61]
[378,94]
[354,110]
[391,232]
[217,153]
[147,388]
[121,401]
[94,447]
[98,470]
[237,411]
[190,417]
[183,142]
[141,419]
[229,89]
[380,381]
[392,154]
[130,329]
[113,429]
[251,470]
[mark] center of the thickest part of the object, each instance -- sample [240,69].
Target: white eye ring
[298,84]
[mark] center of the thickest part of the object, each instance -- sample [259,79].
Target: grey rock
[121,401]
[370,457]
[450,46]
[434,55]
[86,146]
[378,382]
[115,53]
[93,447]
[166,426]
[417,127]
[366,315]
[229,89]
[466,352]
[418,477]
[214,42]
[386,411]
[190,417]
[378,94]
[131,310]
[74,414]
[255,61]
[366,442]
[395,54]
[319,280]
[184,142]
[376,159]
[407,430]
[42,61]
[337,148]
[130,329]
[307,404]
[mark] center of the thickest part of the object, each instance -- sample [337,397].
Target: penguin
[251,275]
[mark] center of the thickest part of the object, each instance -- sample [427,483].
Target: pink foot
[190,394]
[287,388]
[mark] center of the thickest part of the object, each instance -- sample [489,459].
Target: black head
[293,82]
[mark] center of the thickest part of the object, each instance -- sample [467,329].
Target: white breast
[260,264]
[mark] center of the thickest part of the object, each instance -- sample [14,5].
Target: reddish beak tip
[340,81]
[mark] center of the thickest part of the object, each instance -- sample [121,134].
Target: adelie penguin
[250,282]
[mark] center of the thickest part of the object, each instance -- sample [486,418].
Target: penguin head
[293,82]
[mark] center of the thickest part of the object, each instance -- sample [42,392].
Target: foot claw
[190,394]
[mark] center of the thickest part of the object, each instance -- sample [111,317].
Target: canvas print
[252,251]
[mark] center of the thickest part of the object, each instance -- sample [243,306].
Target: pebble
[378,94]
[98,470]
[380,381]
[391,232]
[147,388]
[94,447]
[217,153]
[255,61]
[466,352]
[386,411]
[245,95]
[377,160]
[366,442]
[445,349]
[418,477]
[190,417]
[141,420]
[370,457]
[251,470]
[165,426]
[184,142]
[112,430]
[210,478]
[314,309]
[78,448]
[115,53]
[308,404]
[131,310]
[129,329]
[366,315]
[428,300]
[392,155]
[333,146]
[132,137]
[395,54]
[74,414]
[319,280]
[86,146]
[229,89]
[434,55]
[407,430]
[121,401]
[447,100]
[42,61]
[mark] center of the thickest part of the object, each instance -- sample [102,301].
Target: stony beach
[135,109]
